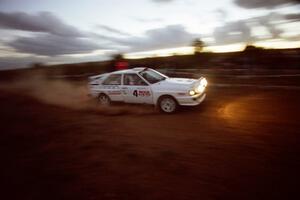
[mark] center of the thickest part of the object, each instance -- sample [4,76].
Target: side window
[133,79]
[114,79]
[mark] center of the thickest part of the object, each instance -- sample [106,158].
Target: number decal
[141,93]
[135,93]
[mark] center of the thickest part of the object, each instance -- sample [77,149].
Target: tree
[37,65]
[252,48]
[118,56]
[198,45]
[252,55]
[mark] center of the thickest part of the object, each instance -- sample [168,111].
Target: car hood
[177,83]
[181,81]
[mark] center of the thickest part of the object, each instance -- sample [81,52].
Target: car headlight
[201,87]
[192,92]
[203,82]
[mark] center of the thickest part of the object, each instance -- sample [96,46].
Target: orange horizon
[188,50]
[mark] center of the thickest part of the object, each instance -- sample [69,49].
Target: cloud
[41,22]
[163,1]
[52,45]
[221,14]
[49,35]
[268,4]
[233,32]
[293,17]
[267,22]
[242,30]
[149,20]
[166,37]
[112,30]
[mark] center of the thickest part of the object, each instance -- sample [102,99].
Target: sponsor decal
[110,87]
[141,93]
[114,92]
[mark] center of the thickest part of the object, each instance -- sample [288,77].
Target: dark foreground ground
[242,143]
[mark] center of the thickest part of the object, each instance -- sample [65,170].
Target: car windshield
[152,76]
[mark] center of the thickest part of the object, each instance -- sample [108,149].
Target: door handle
[124,88]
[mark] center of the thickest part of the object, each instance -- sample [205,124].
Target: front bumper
[191,100]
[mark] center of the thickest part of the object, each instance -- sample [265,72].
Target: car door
[112,87]
[136,90]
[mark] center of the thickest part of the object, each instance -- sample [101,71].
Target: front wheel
[104,100]
[167,104]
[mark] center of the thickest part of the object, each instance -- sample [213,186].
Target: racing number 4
[135,93]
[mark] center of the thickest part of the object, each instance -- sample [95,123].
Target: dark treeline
[251,57]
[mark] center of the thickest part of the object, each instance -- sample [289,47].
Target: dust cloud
[67,94]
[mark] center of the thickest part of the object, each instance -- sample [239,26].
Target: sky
[70,31]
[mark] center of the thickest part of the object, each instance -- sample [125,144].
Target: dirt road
[242,143]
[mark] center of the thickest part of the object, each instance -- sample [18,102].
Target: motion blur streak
[65,94]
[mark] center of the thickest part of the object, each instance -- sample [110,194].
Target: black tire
[104,100]
[167,104]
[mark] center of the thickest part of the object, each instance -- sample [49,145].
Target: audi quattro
[147,86]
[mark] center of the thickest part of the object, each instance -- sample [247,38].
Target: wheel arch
[102,93]
[165,95]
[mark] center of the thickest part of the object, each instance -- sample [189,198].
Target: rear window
[114,79]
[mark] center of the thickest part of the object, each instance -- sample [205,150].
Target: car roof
[129,71]
[126,71]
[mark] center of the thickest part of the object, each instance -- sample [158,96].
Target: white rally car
[145,85]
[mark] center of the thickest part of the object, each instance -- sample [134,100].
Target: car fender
[158,94]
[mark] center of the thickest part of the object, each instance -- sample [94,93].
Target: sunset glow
[215,49]
[52,31]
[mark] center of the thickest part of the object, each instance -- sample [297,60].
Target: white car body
[186,92]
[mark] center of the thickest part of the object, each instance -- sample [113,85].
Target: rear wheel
[167,104]
[104,100]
